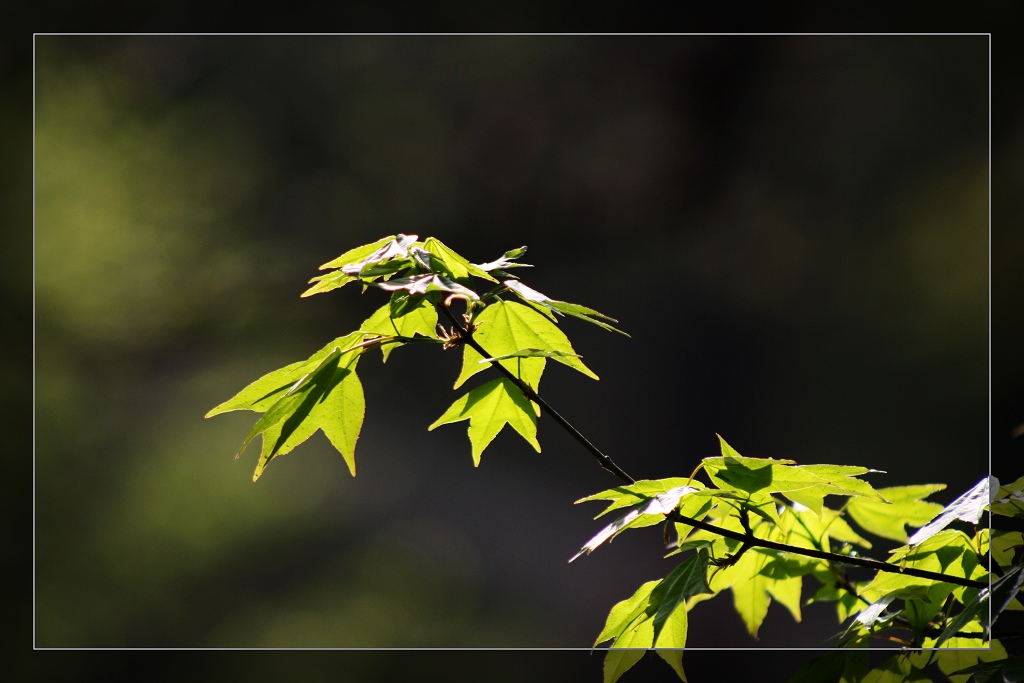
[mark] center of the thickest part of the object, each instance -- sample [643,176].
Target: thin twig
[747,539]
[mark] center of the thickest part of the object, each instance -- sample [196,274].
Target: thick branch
[748,539]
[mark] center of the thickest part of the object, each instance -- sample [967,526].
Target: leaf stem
[606,462]
[747,539]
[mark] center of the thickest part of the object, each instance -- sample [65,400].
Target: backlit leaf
[670,597]
[325,283]
[489,407]
[506,261]
[662,504]
[1009,499]
[805,484]
[266,391]
[535,298]
[506,327]
[455,263]
[360,253]
[750,590]
[429,282]
[905,507]
[969,507]
[624,613]
[338,413]
[619,660]
[417,319]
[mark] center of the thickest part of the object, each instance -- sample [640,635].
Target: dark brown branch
[747,539]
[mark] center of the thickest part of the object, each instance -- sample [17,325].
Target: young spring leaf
[1010,499]
[416,318]
[804,484]
[338,413]
[969,507]
[532,353]
[422,284]
[362,253]
[628,649]
[906,507]
[326,283]
[489,407]
[624,613]
[396,247]
[506,328]
[264,392]
[538,300]
[506,261]
[638,492]
[661,504]
[457,265]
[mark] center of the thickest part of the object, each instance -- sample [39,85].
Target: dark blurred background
[794,230]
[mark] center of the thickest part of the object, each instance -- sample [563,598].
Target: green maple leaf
[414,318]
[489,407]
[654,616]
[906,507]
[804,484]
[550,306]
[321,392]
[506,328]
[456,264]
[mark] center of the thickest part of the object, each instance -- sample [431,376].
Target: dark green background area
[793,229]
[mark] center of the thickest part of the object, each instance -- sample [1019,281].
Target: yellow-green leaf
[506,327]
[420,319]
[338,413]
[489,407]
[456,264]
[639,637]
[906,507]
[269,388]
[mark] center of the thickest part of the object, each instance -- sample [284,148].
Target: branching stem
[747,539]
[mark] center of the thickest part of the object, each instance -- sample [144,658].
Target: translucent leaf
[415,319]
[508,260]
[392,248]
[506,327]
[873,612]
[674,659]
[959,664]
[968,507]
[338,413]
[266,391]
[535,298]
[905,507]
[750,590]
[325,283]
[453,262]
[1009,500]
[625,612]
[1004,546]
[661,504]
[533,353]
[619,659]
[489,407]
[638,492]
[360,253]
[294,406]
[670,597]
[808,483]
[429,282]
[999,596]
